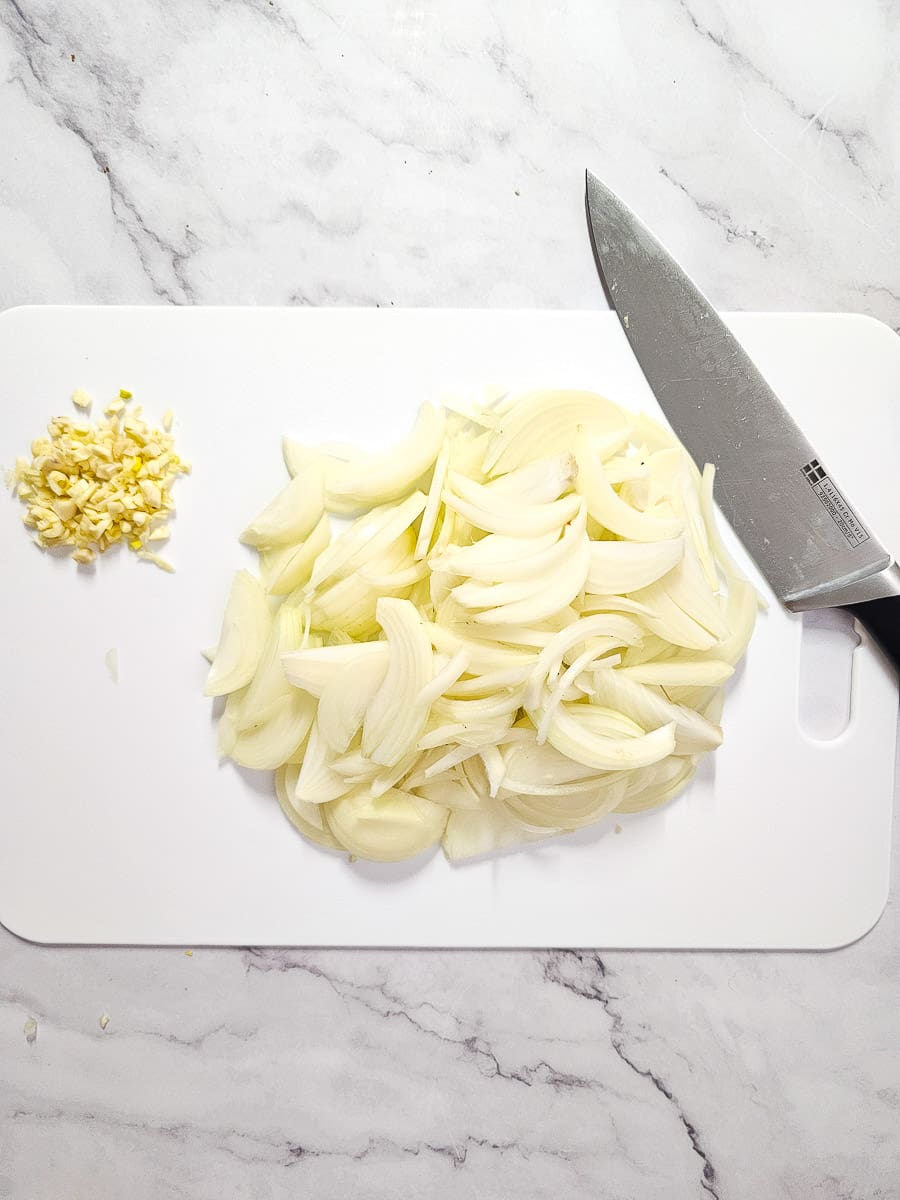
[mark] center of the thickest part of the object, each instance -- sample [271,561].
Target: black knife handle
[881,620]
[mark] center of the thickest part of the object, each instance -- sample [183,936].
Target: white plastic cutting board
[117,824]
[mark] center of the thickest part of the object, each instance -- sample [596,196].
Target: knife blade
[771,485]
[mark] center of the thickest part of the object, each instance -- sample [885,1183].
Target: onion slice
[397,715]
[375,478]
[309,819]
[572,736]
[619,567]
[385,828]
[245,628]
[294,512]
[609,510]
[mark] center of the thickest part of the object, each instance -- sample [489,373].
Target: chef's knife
[772,486]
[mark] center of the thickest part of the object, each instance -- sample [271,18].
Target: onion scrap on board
[525,626]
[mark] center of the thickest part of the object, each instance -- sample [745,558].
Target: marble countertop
[329,152]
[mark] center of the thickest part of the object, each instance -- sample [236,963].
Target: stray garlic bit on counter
[89,486]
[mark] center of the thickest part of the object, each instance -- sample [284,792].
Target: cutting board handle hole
[828,640]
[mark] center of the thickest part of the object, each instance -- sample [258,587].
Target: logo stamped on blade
[839,510]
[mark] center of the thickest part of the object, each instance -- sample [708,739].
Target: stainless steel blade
[770,483]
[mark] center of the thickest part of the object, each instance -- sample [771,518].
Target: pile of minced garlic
[90,485]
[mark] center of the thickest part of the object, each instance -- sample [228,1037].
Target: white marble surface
[332,152]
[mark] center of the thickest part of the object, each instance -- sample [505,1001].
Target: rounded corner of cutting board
[875,328]
[20,929]
[15,312]
[862,924]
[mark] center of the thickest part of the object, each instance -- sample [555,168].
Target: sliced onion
[560,588]
[619,567]
[669,621]
[563,579]
[541,769]
[396,715]
[530,637]
[245,628]
[622,469]
[391,582]
[294,512]
[498,514]
[229,721]
[484,656]
[390,777]
[285,568]
[269,684]
[572,735]
[317,782]
[539,482]
[489,828]
[575,810]
[561,688]
[607,508]
[354,767]
[625,630]
[465,733]
[542,423]
[613,604]
[273,734]
[432,507]
[501,703]
[344,700]
[311,669]
[650,648]
[486,685]
[740,616]
[445,677]
[386,828]
[467,452]
[681,672]
[659,784]
[349,604]
[708,508]
[375,478]
[309,819]
[366,538]
[693,733]
[495,558]
[689,588]
[449,790]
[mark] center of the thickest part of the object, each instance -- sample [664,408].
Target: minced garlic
[90,486]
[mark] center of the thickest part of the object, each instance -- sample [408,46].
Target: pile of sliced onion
[524,628]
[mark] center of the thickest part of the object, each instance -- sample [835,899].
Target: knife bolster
[880,586]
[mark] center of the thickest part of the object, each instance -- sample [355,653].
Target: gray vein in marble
[26,33]
[881,290]
[250,1148]
[590,983]
[193,1043]
[276,15]
[339,225]
[849,139]
[499,53]
[475,1048]
[721,217]
[456,1152]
